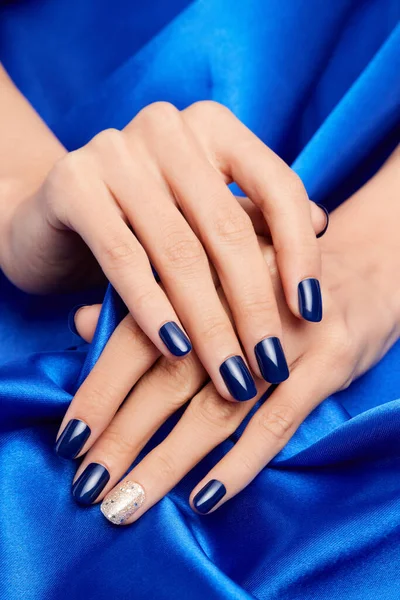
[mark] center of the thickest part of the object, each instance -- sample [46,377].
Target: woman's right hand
[158,191]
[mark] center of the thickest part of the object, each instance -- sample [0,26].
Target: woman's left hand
[361,323]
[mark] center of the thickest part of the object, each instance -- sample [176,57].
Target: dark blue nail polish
[238,378]
[322,207]
[209,496]
[72,439]
[90,484]
[271,360]
[156,275]
[71,318]
[173,337]
[310,300]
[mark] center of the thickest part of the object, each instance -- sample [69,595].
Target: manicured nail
[271,360]
[71,318]
[322,207]
[173,337]
[156,275]
[310,300]
[238,378]
[72,439]
[120,504]
[209,496]
[90,484]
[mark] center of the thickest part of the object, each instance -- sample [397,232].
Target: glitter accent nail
[123,502]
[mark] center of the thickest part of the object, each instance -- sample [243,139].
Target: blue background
[317,81]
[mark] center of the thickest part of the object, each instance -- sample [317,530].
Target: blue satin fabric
[319,82]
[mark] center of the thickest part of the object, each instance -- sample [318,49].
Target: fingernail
[271,360]
[209,496]
[238,378]
[119,505]
[90,484]
[71,318]
[156,275]
[310,300]
[72,439]
[173,337]
[322,207]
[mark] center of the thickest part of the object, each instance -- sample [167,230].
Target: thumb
[82,320]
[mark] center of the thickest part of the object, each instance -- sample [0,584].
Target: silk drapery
[318,82]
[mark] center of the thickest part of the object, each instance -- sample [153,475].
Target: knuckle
[119,254]
[164,464]
[183,252]
[145,297]
[99,397]
[177,378]
[294,186]
[107,140]
[117,444]
[131,336]
[69,186]
[67,171]
[213,327]
[159,115]
[256,305]
[247,462]
[206,109]
[233,225]
[269,254]
[277,423]
[129,329]
[216,413]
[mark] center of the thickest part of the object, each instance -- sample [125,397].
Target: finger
[229,239]
[126,357]
[117,250]
[231,242]
[82,320]
[183,266]
[319,217]
[279,194]
[266,434]
[158,394]
[322,219]
[207,421]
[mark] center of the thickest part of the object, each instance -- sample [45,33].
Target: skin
[164,175]
[63,213]
[361,322]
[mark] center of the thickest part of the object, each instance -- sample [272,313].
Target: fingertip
[208,497]
[71,318]
[175,340]
[82,320]
[310,300]
[320,219]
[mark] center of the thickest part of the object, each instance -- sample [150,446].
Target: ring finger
[207,421]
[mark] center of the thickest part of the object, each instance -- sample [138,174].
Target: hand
[361,323]
[158,190]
